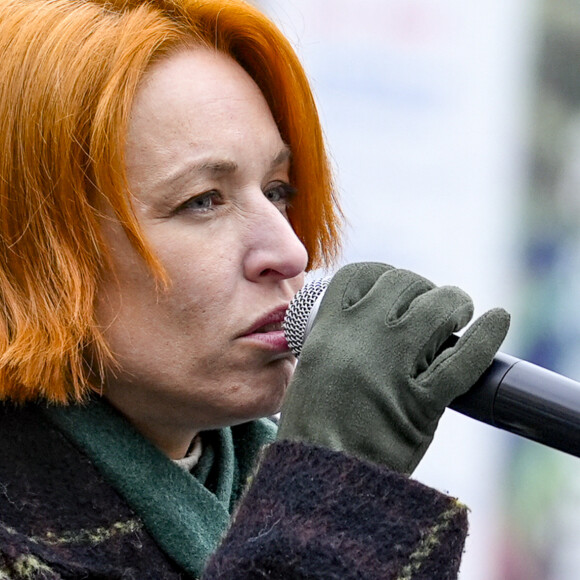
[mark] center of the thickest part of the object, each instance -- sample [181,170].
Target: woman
[163,189]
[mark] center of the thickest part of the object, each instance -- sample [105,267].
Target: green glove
[369,380]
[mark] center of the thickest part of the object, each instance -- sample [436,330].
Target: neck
[165,433]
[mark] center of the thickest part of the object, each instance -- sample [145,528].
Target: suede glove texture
[374,376]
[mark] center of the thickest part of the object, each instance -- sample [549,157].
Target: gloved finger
[351,283]
[431,320]
[457,369]
[395,291]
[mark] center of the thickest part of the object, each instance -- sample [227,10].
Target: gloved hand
[371,379]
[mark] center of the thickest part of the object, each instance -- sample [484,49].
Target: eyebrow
[225,167]
[284,155]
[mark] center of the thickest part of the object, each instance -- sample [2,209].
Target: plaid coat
[82,495]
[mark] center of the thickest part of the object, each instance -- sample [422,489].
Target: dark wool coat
[83,495]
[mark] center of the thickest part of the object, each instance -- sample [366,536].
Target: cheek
[199,287]
[134,310]
[203,271]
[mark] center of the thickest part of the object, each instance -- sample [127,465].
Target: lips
[267,334]
[269,328]
[271,322]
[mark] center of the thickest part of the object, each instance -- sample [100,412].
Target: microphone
[512,394]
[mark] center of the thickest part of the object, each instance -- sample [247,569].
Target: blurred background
[454,128]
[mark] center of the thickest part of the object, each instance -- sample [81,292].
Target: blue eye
[201,203]
[281,194]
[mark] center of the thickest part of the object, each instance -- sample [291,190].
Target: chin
[255,395]
[267,408]
[268,404]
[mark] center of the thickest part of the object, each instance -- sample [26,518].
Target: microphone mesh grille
[298,313]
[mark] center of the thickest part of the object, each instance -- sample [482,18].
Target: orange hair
[70,70]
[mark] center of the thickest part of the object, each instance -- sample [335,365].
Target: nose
[274,251]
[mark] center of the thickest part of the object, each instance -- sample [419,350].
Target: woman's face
[208,172]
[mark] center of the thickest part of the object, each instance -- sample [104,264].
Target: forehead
[197,79]
[197,108]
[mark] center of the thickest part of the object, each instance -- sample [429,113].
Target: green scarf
[186,514]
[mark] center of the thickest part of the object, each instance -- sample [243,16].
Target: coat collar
[185,518]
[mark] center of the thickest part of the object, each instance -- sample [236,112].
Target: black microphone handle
[528,400]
